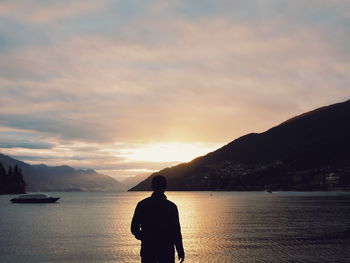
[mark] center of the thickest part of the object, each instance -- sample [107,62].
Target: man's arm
[178,237]
[136,223]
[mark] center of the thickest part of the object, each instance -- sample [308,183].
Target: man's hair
[159,183]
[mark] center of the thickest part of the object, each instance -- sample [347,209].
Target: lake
[216,227]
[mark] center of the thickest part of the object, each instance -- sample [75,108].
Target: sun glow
[168,152]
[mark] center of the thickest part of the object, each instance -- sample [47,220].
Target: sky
[131,87]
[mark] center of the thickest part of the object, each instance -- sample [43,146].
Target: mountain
[134,180]
[62,178]
[300,153]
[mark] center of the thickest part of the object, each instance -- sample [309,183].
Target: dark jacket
[156,224]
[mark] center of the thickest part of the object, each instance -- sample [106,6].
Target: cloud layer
[110,75]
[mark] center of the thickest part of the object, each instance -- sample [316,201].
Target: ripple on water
[217,227]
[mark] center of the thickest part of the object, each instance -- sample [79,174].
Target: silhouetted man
[156,224]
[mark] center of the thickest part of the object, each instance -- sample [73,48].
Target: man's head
[159,183]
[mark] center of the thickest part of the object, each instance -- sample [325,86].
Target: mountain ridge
[296,154]
[42,177]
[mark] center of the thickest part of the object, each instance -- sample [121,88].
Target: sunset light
[104,85]
[168,152]
[174,131]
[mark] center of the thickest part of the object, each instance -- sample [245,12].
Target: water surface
[216,227]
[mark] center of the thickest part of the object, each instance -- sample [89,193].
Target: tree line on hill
[11,181]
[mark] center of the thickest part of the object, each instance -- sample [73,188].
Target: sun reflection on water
[216,227]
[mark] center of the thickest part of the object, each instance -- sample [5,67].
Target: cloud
[28,145]
[14,138]
[49,11]
[90,76]
[129,89]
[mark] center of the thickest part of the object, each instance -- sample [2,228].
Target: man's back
[156,224]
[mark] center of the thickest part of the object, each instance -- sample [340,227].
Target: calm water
[217,227]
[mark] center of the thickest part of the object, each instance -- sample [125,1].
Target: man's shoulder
[144,201]
[150,200]
[171,203]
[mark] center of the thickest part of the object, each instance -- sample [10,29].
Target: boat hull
[35,200]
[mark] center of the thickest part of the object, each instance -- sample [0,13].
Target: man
[156,224]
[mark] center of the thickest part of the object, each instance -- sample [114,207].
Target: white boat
[34,198]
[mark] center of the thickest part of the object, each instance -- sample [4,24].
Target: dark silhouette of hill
[11,181]
[62,178]
[297,154]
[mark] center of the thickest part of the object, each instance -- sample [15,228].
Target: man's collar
[159,195]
